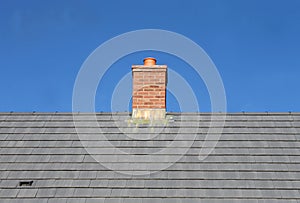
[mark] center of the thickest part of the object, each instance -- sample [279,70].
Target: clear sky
[255,45]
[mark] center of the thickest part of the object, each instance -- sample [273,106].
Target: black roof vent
[25,183]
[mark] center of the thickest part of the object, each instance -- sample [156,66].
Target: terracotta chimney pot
[149,61]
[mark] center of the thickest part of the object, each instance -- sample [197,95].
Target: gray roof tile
[83,192]
[46,192]
[64,192]
[27,192]
[5,192]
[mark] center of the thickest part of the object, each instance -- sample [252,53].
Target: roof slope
[257,158]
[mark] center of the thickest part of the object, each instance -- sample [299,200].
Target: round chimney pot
[149,61]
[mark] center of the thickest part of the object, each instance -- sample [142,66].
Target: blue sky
[254,44]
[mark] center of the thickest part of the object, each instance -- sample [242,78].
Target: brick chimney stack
[149,90]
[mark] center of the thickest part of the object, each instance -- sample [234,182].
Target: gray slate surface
[256,159]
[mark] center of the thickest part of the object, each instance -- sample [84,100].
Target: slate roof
[256,159]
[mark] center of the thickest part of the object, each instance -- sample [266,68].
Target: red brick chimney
[149,90]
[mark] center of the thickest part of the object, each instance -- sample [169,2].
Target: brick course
[149,86]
